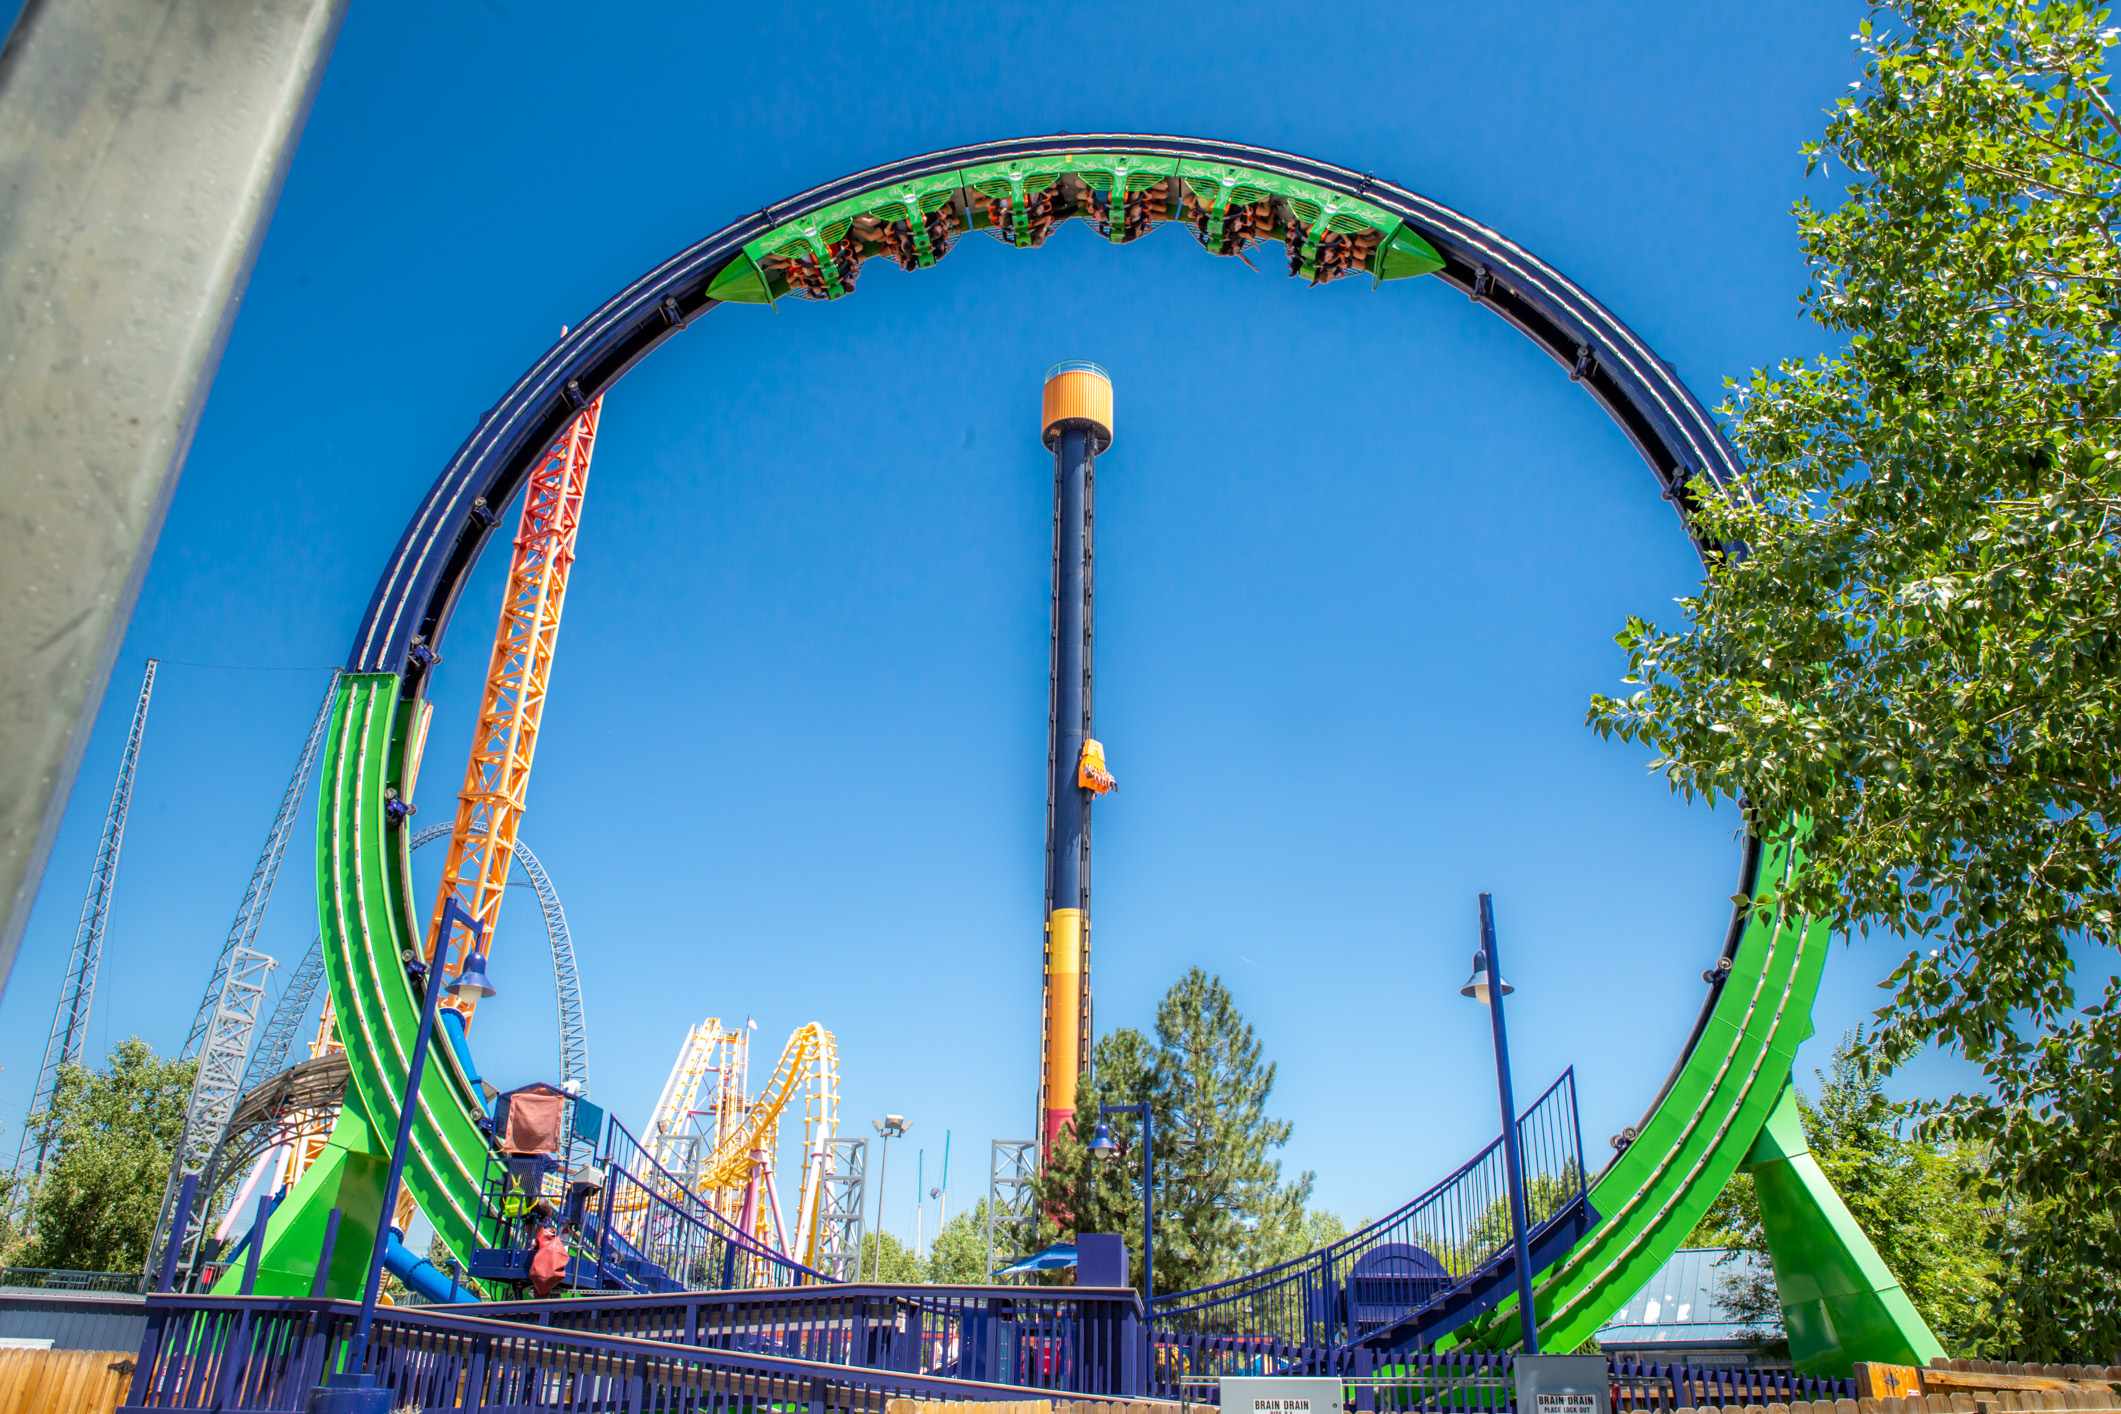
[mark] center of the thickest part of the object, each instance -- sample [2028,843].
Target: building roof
[1680,1305]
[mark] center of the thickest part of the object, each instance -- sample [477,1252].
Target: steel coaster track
[1727,1079]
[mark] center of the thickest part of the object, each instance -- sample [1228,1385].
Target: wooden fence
[1958,1387]
[63,1381]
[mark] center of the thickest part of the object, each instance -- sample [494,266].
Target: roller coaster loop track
[1727,1101]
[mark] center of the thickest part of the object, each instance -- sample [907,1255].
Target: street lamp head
[1476,986]
[1101,1143]
[892,1126]
[472,980]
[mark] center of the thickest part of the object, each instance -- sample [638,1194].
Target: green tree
[111,1135]
[1911,642]
[1313,1229]
[1917,1200]
[958,1256]
[1222,1208]
[900,1262]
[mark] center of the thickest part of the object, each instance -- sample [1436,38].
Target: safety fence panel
[263,1354]
[63,1381]
[1481,1381]
[1068,1340]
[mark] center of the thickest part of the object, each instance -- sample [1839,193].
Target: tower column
[1077,425]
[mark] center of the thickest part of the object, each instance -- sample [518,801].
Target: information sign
[1563,1384]
[1251,1394]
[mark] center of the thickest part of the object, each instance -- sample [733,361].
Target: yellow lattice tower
[496,779]
[821,1119]
[808,1067]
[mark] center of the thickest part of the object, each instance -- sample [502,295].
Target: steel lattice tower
[270,1058]
[839,1216]
[214,1092]
[243,933]
[497,777]
[70,1022]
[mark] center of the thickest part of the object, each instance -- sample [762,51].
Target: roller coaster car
[1230,231]
[813,277]
[1024,221]
[1139,210]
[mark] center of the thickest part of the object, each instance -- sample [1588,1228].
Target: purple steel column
[354,1391]
[1513,1163]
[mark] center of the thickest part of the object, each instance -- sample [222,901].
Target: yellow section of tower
[1064,989]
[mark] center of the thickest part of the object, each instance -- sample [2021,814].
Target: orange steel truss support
[490,807]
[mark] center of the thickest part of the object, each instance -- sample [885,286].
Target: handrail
[1440,1257]
[216,1352]
[660,1184]
[1164,1307]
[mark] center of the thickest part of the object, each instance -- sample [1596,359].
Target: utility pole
[890,1127]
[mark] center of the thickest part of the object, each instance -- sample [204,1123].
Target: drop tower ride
[1077,425]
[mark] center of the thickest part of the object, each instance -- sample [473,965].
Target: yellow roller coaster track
[740,1130]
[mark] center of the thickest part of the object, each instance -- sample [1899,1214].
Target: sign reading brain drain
[1251,1395]
[1562,1384]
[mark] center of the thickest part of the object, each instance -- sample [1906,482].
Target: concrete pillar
[142,146]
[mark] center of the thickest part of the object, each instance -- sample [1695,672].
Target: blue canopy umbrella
[1060,1254]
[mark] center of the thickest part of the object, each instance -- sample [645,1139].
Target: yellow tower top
[1078,394]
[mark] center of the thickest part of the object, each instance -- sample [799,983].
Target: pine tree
[1222,1208]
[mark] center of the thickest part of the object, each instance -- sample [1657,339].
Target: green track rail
[369,920]
[1841,1304]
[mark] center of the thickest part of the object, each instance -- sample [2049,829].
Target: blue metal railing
[1485,1382]
[696,1354]
[262,1353]
[648,1221]
[1065,1340]
[1443,1257]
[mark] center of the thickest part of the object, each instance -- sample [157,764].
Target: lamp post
[1102,1146]
[354,1390]
[1487,987]
[890,1127]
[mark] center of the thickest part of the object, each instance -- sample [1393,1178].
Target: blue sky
[1361,554]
